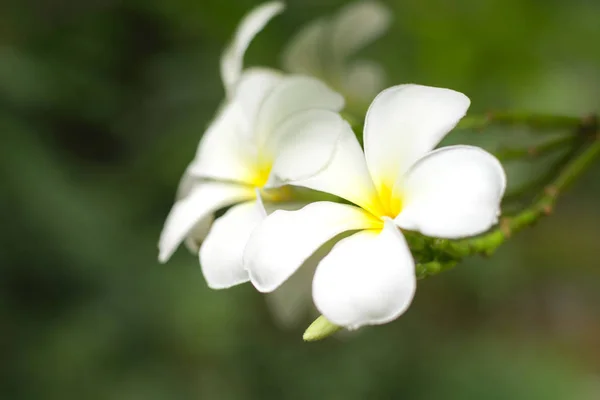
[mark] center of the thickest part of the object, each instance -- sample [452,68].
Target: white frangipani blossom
[399,182]
[240,153]
[324,47]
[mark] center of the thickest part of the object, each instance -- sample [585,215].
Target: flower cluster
[278,135]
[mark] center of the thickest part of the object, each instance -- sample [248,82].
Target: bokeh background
[102,103]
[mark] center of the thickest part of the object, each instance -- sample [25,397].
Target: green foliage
[103,104]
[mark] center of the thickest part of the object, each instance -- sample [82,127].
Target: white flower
[398,182]
[239,154]
[322,49]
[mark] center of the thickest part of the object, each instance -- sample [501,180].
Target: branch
[509,154]
[423,270]
[538,183]
[539,122]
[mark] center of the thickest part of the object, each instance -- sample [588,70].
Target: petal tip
[164,253]
[260,284]
[279,6]
[163,257]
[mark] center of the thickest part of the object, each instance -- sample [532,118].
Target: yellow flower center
[384,203]
[260,175]
[390,205]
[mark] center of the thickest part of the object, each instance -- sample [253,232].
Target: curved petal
[253,87]
[292,95]
[403,124]
[227,150]
[452,192]
[357,25]
[303,54]
[198,233]
[187,183]
[284,241]
[345,176]
[223,153]
[367,279]
[251,24]
[304,145]
[221,254]
[186,213]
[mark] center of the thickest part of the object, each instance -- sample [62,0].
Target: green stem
[509,154]
[538,183]
[540,122]
[430,268]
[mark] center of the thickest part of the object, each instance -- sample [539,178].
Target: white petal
[292,95]
[221,254]
[357,25]
[406,122]
[304,145]
[233,56]
[303,54]
[198,233]
[227,150]
[223,152]
[363,80]
[367,279]
[345,176]
[452,192]
[280,244]
[186,213]
[186,184]
[253,87]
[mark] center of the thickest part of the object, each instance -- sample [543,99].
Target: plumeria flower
[399,182]
[244,149]
[323,48]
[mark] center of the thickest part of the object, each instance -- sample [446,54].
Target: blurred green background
[102,103]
